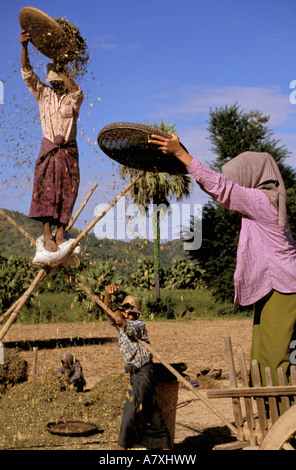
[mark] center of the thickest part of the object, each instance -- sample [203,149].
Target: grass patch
[53,307]
[178,304]
[190,304]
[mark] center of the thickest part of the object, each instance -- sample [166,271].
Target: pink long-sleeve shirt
[266,253]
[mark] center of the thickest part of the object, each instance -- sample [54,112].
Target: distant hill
[124,254]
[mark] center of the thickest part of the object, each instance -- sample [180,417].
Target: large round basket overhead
[46,34]
[127,143]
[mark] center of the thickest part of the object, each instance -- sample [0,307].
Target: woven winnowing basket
[46,34]
[127,143]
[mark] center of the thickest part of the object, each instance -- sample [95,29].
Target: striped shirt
[131,351]
[266,253]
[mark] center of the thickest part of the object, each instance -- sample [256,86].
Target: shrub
[183,274]
[143,277]
[16,274]
[154,307]
[96,278]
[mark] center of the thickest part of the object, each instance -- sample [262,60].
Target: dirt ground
[199,344]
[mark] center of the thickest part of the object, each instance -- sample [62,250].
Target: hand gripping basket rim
[46,34]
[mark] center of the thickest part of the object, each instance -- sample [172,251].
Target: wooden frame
[249,434]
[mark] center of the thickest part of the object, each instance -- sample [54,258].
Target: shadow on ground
[206,440]
[54,343]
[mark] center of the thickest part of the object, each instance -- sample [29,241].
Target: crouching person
[72,369]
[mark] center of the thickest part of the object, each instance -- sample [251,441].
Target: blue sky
[151,61]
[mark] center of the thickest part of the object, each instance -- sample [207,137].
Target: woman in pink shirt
[56,176]
[265,274]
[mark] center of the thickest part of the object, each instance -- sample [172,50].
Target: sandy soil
[199,344]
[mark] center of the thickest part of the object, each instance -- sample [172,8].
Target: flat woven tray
[72,428]
[46,34]
[127,144]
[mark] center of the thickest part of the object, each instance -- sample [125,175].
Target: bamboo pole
[33,241]
[15,225]
[69,226]
[39,278]
[109,312]
[104,212]
[10,310]
[85,201]
[17,306]
[24,295]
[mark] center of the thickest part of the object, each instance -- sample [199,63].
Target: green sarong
[273,330]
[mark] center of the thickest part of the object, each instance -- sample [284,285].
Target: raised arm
[24,40]
[230,195]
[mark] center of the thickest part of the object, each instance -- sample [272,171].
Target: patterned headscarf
[259,170]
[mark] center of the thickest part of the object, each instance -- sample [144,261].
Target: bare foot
[59,236]
[59,241]
[50,245]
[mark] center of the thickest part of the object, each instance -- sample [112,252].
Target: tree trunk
[156,230]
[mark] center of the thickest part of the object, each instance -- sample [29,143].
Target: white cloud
[195,101]
[111,42]
[189,106]
[105,42]
[198,144]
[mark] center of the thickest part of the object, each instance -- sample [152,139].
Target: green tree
[158,189]
[233,131]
